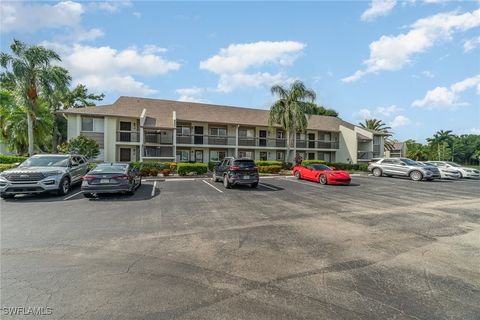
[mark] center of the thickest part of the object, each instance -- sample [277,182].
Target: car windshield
[244,163]
[46,161]
[103,169]
[453,164]
[320,167]
[409,162]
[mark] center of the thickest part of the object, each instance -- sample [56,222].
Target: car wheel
[416,175]
[7,196]
[88,195]
[377,172]
[298,175]
[461,175]
[254,185]
[323,179]
[64,187]
[226,183]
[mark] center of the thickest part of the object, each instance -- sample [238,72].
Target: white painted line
[153,188]
[271,188]
[213,186]
[144,180]
[73,195]
[180,179]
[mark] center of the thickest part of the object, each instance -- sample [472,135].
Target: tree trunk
[55,134]
[30,133]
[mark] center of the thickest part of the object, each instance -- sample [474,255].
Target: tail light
[88,178]
[122,177]
[234,168]
[255,168]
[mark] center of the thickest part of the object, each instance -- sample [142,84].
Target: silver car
[445,172]
[43,173]
[403,167]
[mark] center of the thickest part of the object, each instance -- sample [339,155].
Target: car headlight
[52,173]
[467,170]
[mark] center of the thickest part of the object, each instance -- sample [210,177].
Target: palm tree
[289,111]
[313,109]
[379,126]
[441,138]
[33,75]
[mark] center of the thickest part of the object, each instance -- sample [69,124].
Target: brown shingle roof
[159,113]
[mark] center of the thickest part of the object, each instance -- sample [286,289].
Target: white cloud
[30,17]
[442,97]
[191,94]
[428,74]
[399,121]
[390,53]
[386,111]
[363,114]
[378,8]
[137,14]
[475,130]
[110,70]
[111,6]
[379,112]
[471,44]
[234,64]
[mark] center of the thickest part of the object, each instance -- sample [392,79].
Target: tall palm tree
[33,74]
[440,139]
[379,126]
[289,111]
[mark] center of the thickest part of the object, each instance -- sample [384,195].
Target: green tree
[289,111]
[313,109]
[81,145]
[379,126]
[33,75]
[416,151]
[440,141]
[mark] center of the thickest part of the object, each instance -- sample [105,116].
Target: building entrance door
[198,155]
[198,135]
[125,154]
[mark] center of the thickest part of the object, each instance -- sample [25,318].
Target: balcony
[128,136]
[203,139]
[364,155]
[158,152]
[316,144]
[376,151]
[158,137]
[261,142]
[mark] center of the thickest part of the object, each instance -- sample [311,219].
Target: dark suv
[236,171]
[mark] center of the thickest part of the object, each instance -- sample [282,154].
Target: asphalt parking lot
[382,248]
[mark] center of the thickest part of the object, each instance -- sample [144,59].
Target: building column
[142,137]
[236,141]
[174,136]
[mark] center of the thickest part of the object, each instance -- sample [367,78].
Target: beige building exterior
[139,129]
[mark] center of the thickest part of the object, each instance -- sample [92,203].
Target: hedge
[5,166]
[351,167]
[307,162]
[269,169]
[212,164]
[11,159]
[186,168]
[268,163]
[152,168]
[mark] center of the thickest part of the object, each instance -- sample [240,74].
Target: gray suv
[43,173]
[403,167]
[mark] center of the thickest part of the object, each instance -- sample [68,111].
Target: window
[300,136]
[263,155]
[280,135]
[376,139]
[249,133]
[245,154]
[324,136]
[311,156]
[217,155]
[218,132]
[182,155]
[280,155]
[92,124]
[183,131]
[324,156]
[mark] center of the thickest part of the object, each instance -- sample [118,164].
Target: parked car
[403,167]
[43,173]
[233,172]
[465,172]
[111,178]
[445,173]
[322,174]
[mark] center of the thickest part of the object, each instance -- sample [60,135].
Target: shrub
[6,166]
[154,172]
[212,164]
[146,167]
[166,172]
[268,163]
[307,162]
[186,168]
[269,169]
[81,145]
[172,166]
[145,172]
[11,159]
[287,166]
[349,167]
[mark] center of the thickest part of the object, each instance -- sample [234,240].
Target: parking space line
[153,188]
[213,186]
[73,195]
[179,179]
[305,183]
[269,187]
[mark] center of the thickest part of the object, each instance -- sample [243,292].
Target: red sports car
[322,174]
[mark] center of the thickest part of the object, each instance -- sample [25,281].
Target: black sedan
[111,178]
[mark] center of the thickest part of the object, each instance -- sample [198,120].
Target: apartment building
[139,129]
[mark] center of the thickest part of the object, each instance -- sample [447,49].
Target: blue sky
[414,64]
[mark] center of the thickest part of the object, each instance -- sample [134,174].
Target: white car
[445,172]
[465,172]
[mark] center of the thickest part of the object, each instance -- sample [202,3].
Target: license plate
[104,180]
[246,177]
